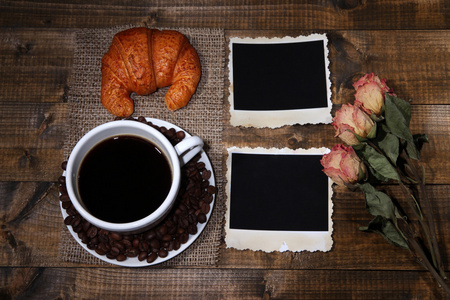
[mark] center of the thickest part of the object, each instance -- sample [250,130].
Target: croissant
[142,60]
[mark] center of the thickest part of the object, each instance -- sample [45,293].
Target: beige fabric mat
[202,117]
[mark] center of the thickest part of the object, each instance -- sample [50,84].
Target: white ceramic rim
[155,216]
[133,261]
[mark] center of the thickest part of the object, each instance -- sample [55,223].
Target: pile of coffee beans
[191,207]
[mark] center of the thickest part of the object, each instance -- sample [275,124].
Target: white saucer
[133,261]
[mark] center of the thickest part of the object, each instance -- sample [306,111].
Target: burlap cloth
[202,117]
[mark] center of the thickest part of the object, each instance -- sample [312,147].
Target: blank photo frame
[279,81]
[278,200]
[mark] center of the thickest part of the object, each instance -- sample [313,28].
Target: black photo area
[279,76]
[278,192]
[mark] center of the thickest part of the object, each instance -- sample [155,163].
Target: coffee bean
[206,174]
[115,236]
[63,190]
[152,257]
[195,197]
[64,198]
[103,247]
[144,246]
[143,255]
[163,253]
[68,220]
[132,252]
[64,165]
[85,239]
[180,135]
[205,208]
[92,232]
[103,238]
[81,235]
[95,240]
[162,230]
[170,134]
[110,255]
[62,179]
[78,228]
[126,243]
[148,235]
[167,237]
[100,251]
[76,221]
[201,218]
[119,246]
[115,251]
[86,226]
[192,218]
[183,222]
[192,229]
[211,190]
[184,238]
[66,205]
[128,237]
[121,257]
[155,244]
[176,245]
[208,198]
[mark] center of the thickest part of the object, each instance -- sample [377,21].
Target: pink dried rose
[343,166]
[351,120]
[370,90]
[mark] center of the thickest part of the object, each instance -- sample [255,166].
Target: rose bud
[370,93]
[351,120]
[343,166]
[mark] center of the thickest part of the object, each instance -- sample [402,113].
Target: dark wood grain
[406,42]
[237,14]
[198,283]
[32,223]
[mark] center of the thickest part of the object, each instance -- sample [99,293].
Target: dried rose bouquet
[381,148]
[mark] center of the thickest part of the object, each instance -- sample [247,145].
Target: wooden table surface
[407,42]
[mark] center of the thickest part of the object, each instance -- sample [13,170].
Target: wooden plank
[431,120]
[31,140]
[35,65]
[154,283]
[31,226]
[236,14]
[352,249]
[416,69]
[417,73]
[32,136]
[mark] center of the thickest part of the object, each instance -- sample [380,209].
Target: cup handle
[188,148]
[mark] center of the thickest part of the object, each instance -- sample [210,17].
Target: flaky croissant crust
[142,60]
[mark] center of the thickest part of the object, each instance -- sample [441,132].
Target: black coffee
[123,179]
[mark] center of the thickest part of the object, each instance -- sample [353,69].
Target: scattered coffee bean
[142,256]
[121,257]
[191,207]
[152,257]
[201,218]
[115,236]
[163,253]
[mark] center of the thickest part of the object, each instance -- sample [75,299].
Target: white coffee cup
[177,156]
